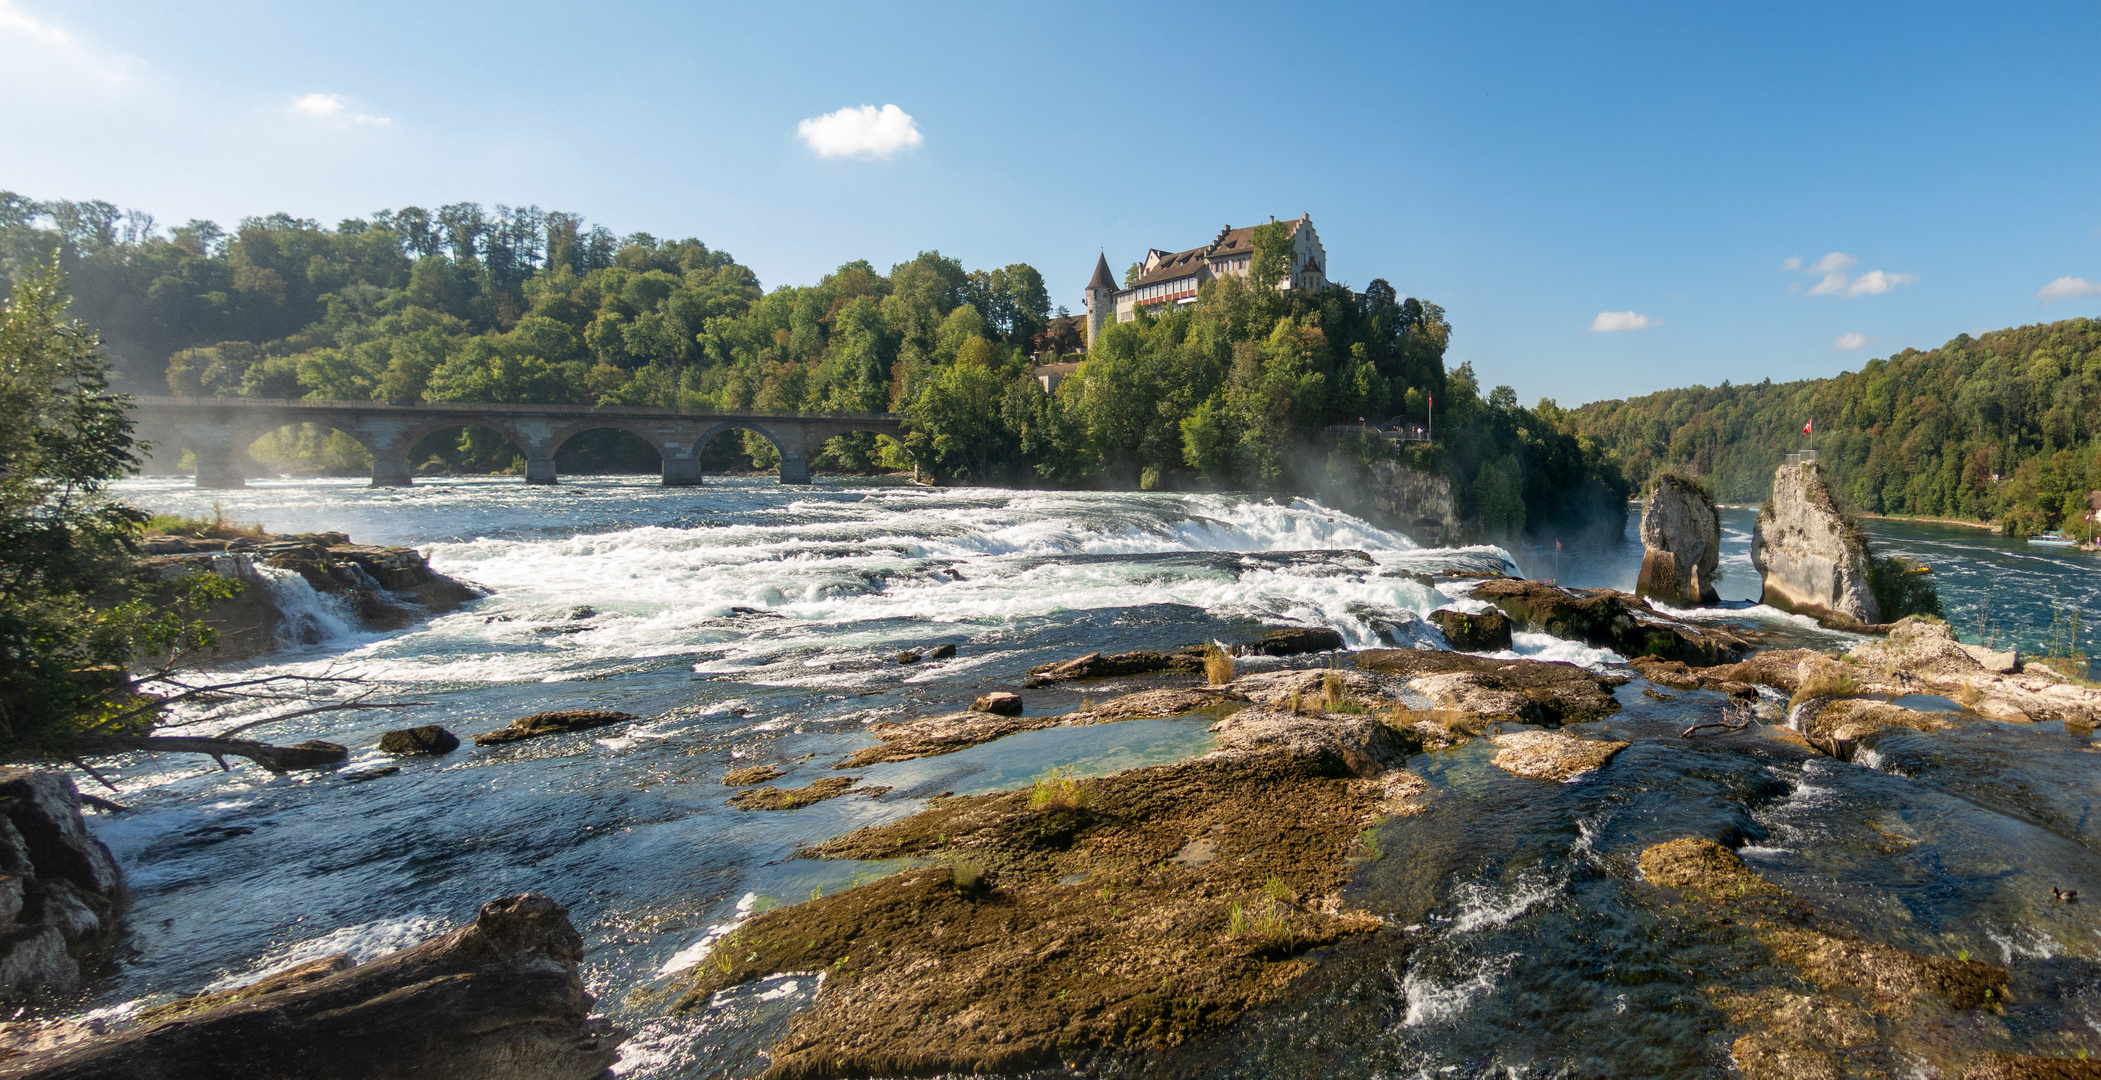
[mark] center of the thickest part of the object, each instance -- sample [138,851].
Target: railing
[488,407]
[1395,433]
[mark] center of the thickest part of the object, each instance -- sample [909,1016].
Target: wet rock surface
[1295,640]
[1000,702]
[61,891]
[1610,619]
[556,722]
[946,734]
[387,588]
[1099,665]
[1532,691]
[500,997]
[428,739]
[1552,755]
[1126,913]
[831,787]
[755,774]
[1681,539]
[1487,631]
[1813,557]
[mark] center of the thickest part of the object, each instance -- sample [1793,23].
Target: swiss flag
[1807,426]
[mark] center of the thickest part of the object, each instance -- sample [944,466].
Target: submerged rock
[756,774]
[1681,539]
[1487,631]
[1532,691]
[831,787]
[551,723]
[1610,619]
[428,739]
[1552,755]
[1000,702]
[500,997]
[936,735]
[1814,558]
[1820,1003]
[1127,913]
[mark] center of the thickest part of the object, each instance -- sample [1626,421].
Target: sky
[1606,199]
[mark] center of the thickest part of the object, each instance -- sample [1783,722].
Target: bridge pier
[392,471]
[795,468]
[219,464]
[681,468]
[539,470]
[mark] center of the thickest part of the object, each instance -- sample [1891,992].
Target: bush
[1902,587]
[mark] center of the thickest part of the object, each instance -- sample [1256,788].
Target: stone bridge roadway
[219,430]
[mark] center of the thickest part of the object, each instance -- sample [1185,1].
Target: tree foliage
[2003,427]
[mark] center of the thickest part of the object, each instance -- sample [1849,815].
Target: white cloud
[1834,263]
[866,132]
[1832,280]
[1853,339]
[1877,282]
[334,107]
[1621,320]
[19,30]
[2067,288]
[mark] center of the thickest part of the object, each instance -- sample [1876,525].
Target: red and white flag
[1807,426]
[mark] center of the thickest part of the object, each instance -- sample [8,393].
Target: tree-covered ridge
[521,305]
[2004,427]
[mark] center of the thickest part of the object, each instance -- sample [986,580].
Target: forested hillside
[2005,427]
[521,305]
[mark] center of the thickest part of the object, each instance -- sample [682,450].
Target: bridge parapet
[218,431]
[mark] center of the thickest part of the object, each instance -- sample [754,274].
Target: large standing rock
[60,889]
[1610,619]
[1681,539]
[1813,557]
[498,998]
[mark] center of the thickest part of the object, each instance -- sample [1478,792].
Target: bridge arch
[394,446]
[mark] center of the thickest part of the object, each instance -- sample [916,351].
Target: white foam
[1430,1002]
[363,942]
[306,617]
[1484,907]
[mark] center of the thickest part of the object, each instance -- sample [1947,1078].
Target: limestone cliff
[1681,539]
[1813,558]
[1418,503]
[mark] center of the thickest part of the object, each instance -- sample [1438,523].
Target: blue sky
[1539,170]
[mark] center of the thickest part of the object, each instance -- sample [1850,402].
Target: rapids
[748,623]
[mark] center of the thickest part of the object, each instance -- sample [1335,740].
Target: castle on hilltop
[1173,277]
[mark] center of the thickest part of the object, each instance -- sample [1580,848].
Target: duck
[2064,896]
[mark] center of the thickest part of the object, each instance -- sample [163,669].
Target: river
[747,622]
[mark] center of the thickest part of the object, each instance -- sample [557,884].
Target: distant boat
[2053,539]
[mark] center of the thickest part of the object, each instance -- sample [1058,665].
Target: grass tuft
[1826,683]
[216,527]
[1058,789]
[1218,665]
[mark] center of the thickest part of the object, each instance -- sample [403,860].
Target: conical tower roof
[1102,278]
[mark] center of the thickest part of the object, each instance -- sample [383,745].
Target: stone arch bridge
[218,432]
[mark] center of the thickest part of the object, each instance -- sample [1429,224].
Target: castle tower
[1101,299]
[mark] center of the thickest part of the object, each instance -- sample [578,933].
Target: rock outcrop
[1531,691]
[409,742]
[1813,557]
[1552,755]
[1488,631]
[60,889]
[1099,665]
[998,701]
[498,998]
[1611,620]
[385,588]
[551,723]
[1293,640]
[1681,539]
[1417,502]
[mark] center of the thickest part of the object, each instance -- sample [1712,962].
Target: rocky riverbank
[376,588]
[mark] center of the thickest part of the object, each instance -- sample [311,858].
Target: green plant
[1963,956]
[1825,683]
[1276,890]
[1273,924]
[1057,788]
[1218,665]
[967,876]
[1236,921]
[1902,587]
[216,527]
[2062,647]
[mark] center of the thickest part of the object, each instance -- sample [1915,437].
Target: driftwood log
[500,998]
